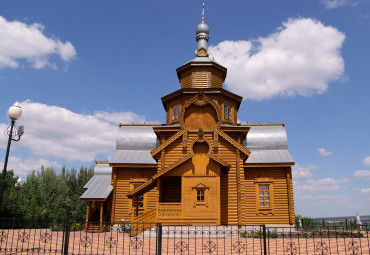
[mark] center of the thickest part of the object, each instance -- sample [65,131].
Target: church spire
[202,32]
[203,14]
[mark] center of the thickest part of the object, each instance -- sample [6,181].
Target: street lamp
[14,114]
[18,186]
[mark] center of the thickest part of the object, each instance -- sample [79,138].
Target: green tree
[8,204]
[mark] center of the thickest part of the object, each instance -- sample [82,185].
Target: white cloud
[324,152]
[22,41]
[116,117]
[301,172]
[365,191]
[58,132]
[367,161]
[23,167]
[301,58]
[362,173]
[332,4]
[319,186]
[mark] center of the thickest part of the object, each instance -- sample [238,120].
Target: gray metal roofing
[100,169]
[99,186]
[268,144]
[132,157]
[269,156]
[266,138]
[136,138]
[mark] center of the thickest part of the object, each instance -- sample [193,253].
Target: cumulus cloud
[301,172]
[365,191]
[300,58]
[23,167]
[28,42]
[332,4]
[61,133]
[323,185]
[324,152]
[362,173]
[367,161]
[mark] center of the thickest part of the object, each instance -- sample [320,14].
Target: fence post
[159,238]
[264,240]
[66,237]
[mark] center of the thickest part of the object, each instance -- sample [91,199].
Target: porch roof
[269,157]
[99,186]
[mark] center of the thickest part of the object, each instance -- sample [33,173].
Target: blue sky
[80,67]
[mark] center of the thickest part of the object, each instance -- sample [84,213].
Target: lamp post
[14,114]
[18,186]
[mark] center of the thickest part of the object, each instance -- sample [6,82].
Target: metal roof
[99,186]
[267,144]
[266,138]
[132,157]
[269,156]
[136,138]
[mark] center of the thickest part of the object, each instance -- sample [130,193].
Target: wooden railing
[148,216]
[144,222]
[169,209]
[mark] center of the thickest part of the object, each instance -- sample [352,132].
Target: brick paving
[44,241]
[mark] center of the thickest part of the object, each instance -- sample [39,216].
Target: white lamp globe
[15,111]
[19,181]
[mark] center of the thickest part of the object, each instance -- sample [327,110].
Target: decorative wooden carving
[204,108]
[233,142]
[169,209]
[168,142]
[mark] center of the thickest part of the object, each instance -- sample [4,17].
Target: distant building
[201,167]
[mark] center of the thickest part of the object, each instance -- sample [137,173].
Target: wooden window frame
[176,109]
[228,116]
[132,187]
[195,195]
[264,210]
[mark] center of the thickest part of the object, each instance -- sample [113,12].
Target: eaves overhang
[206,91]
[199,62]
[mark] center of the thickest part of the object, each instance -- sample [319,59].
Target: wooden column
[101,214]
[238,203]
[114,182]
[289,193]
[88,206]
[132,208]
[218,199]
[158,198]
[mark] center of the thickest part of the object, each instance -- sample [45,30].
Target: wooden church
[201,167]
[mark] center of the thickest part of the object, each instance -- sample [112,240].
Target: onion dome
[202,32]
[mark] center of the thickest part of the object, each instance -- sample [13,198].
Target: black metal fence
[52,236]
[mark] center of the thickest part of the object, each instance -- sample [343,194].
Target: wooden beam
[101,214]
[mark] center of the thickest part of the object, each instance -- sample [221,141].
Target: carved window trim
[263,182]
[203,189]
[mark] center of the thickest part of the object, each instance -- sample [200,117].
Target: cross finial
[203,14]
